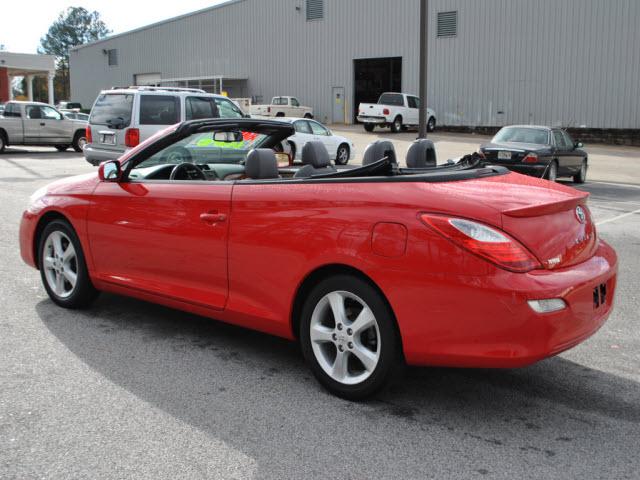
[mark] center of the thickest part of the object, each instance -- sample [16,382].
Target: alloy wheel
[60,264]
[345,337]
[343,155]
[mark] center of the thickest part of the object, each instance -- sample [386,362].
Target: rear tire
[396,126]
[552,171]
[356,351]
[368,127]
[581,176]
[79,141]
[62,148]
[308,115]
[63,268]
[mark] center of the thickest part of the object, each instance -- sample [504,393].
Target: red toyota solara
[463,265]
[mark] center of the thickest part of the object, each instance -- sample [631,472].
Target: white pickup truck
[33,123]
[283,107]
[395,110]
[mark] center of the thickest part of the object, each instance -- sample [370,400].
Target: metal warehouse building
[574,63]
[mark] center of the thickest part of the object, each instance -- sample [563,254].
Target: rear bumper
[532,169]
[376,120]
[96,155]
[491,325]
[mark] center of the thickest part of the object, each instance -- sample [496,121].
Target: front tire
[368,127]
[581,176]
[343,154]
[63,268]
[349,338]
[431,124]
[396,126]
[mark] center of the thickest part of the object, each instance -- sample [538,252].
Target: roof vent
[315,9]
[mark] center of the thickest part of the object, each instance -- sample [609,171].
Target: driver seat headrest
[314,153]
[421,154]
[261,163]
[378,150]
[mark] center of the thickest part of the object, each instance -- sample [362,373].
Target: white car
[397,111]
[283,107]
[341,149]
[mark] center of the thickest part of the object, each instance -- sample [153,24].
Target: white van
[121,118]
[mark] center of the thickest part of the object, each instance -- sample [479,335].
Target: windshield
[203,150]
[522,135]
[111,106]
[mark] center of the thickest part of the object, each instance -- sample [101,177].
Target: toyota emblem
[580,214]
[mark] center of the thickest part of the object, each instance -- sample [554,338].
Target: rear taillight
[484,241]
[87,135]
[132,137]
[385,111]
[530,158]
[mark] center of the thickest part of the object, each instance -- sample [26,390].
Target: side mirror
[109,171]
[579,145]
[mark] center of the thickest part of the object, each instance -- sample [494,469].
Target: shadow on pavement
[254,392]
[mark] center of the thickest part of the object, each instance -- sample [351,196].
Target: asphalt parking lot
[127,389]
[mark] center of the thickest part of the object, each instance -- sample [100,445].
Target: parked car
[1,108]
[66,105]
[34,123]
[537,150]
[341,149]
[72,115]
[398,111]
[283,107]
[122,118]
[366,267]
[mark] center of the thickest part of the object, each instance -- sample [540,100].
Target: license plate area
[108,138]
[504,155]
[600,295]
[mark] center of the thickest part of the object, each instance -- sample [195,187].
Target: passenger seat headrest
[378,150]
[261,163]
[421,154]
[315,154]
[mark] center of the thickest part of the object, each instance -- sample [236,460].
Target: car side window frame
[304,123]
[322,128]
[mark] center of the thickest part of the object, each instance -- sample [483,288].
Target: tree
[74,26]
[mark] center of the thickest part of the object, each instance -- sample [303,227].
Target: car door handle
[212,218]
[42,124]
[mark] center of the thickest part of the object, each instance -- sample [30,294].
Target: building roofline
[157,24]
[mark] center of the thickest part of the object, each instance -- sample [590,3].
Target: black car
[539,151]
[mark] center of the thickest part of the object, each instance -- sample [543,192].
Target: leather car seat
[315,158]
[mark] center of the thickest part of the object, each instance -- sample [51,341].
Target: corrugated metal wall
[559,62]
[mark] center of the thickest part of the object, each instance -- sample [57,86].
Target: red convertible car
[369,268]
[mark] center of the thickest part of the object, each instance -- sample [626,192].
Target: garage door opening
[374,76]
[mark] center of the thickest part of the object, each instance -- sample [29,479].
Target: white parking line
[630,185]
[618,217]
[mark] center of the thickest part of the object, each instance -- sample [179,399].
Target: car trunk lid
[551,220]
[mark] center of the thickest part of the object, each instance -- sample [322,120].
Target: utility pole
[424,21]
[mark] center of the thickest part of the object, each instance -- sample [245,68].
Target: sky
[20,31]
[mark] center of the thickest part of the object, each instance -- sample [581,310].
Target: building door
[374,76]
[338,115]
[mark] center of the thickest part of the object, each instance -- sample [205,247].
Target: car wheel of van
[552,172]
[308,115]
[368,127]
[62,148]
[581,176]
[342,155]
[396,126]
[431,124]
[63,268]
[79,141]
[349,338]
